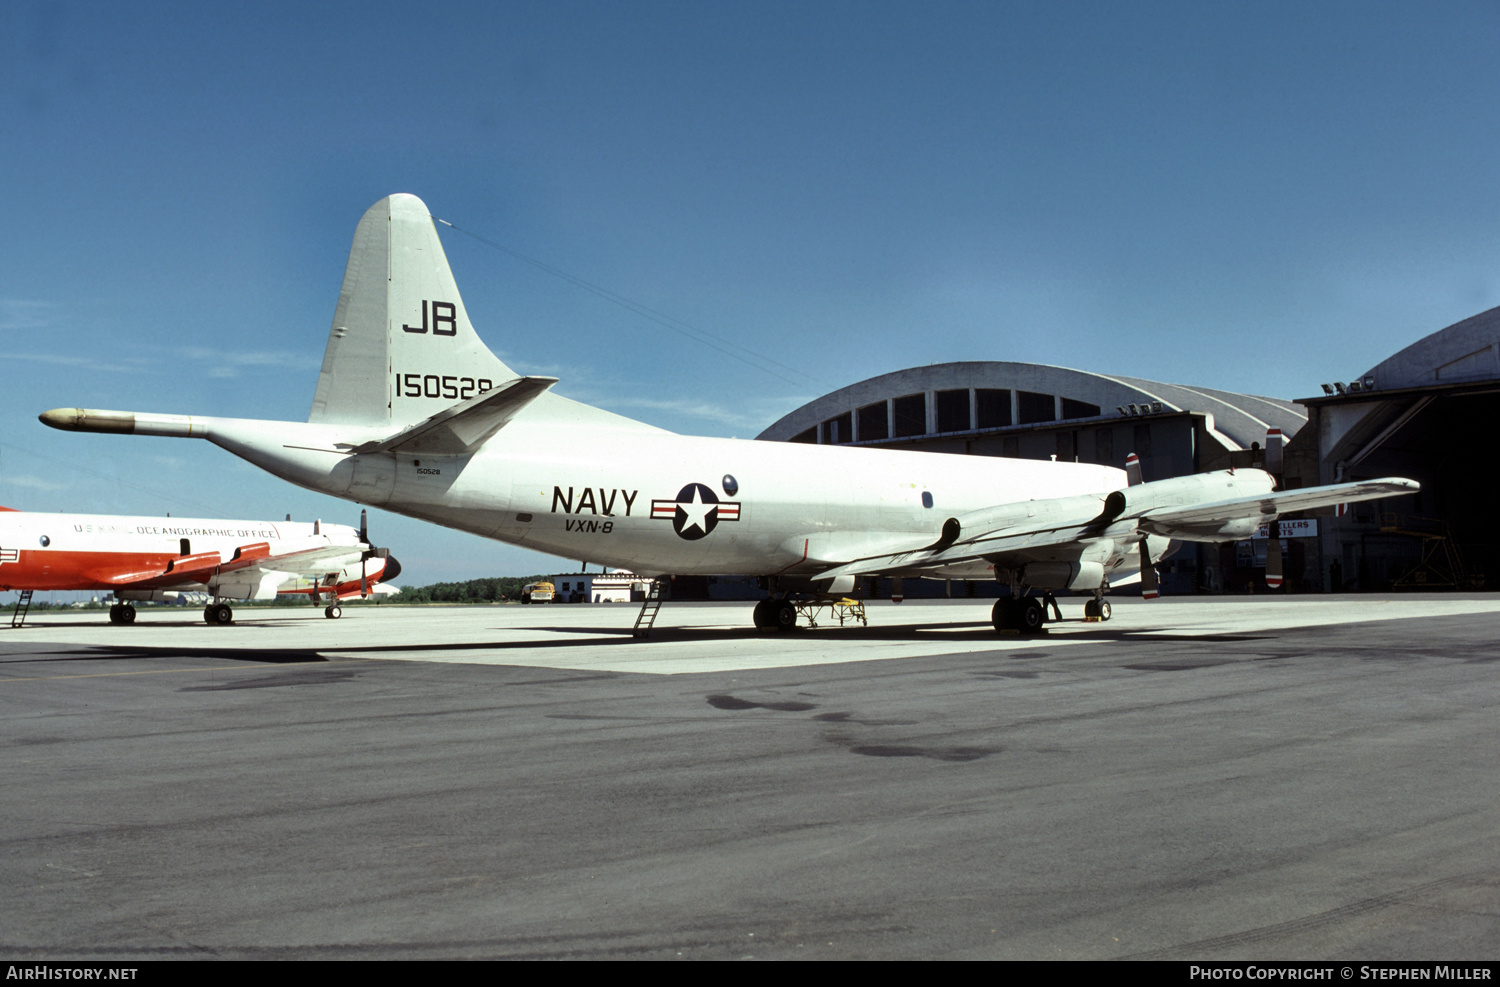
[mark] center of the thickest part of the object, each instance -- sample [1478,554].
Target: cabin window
[926,498]
[186,546]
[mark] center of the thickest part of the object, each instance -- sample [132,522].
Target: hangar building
[1416,414]
[1033,411]
[1412,415]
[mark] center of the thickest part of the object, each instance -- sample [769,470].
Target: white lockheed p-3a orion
[414,414]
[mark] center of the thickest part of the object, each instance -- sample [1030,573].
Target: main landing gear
[780,614]
[121,613]
[1028,614]
[333,611]
[1025,615]
[218,615]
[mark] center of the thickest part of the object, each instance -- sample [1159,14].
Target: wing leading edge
[1208,507]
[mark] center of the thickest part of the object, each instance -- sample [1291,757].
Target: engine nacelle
[1185,491]
[1063,575]
[1182,494]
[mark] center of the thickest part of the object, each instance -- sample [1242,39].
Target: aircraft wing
[254,571]
[1178,522]
[1208,507]
[184,570]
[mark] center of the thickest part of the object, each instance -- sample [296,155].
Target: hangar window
[840,429]
[1079,409]
[810,436]
[1036,407]
[992,406]
[1142,439]
[953,411]
[911,415]
[874,422]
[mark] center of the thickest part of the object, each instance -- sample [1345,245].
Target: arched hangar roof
[1467,350]
[1239,418]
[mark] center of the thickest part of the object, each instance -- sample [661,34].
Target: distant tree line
[495,589]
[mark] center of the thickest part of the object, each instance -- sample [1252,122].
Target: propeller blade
[1148,573]
[1273,556]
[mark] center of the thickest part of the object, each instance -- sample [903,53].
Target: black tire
[333,611]
[127,614]
[1004,617]
[1032,616]
[785,616]
[208,614]
[1104,609]
[1091,609]
[114,614]
[223,615]
[762,615]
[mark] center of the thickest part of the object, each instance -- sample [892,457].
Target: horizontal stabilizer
[464,427]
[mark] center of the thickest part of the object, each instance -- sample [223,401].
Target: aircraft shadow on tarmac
[585,637]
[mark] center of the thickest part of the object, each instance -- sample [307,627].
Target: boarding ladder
[649,607]
[23,607]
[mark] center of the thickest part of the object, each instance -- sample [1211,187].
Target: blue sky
[1254,196]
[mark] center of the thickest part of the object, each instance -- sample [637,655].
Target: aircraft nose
[392,569]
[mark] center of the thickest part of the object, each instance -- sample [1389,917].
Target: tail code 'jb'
[401,347]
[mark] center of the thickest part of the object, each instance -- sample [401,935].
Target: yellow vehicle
[537,593]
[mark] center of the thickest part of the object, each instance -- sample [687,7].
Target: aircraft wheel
[114,613]
[1104,609]
[784,616]
[208,613]
[760,617]
[333,612]
[1091,609]
[1032,616]
[219,614]
[1003,616]
[127,614]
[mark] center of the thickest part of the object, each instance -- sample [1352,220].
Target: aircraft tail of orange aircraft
[145,558]
[413,413]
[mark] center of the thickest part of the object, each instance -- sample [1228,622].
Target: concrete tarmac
[1230,778]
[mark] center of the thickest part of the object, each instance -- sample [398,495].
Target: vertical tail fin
[401,347]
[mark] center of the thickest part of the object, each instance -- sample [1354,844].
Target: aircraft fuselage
[656,502]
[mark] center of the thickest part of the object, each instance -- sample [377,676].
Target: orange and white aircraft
[144,558]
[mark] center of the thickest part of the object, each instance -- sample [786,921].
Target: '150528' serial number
[434,386]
